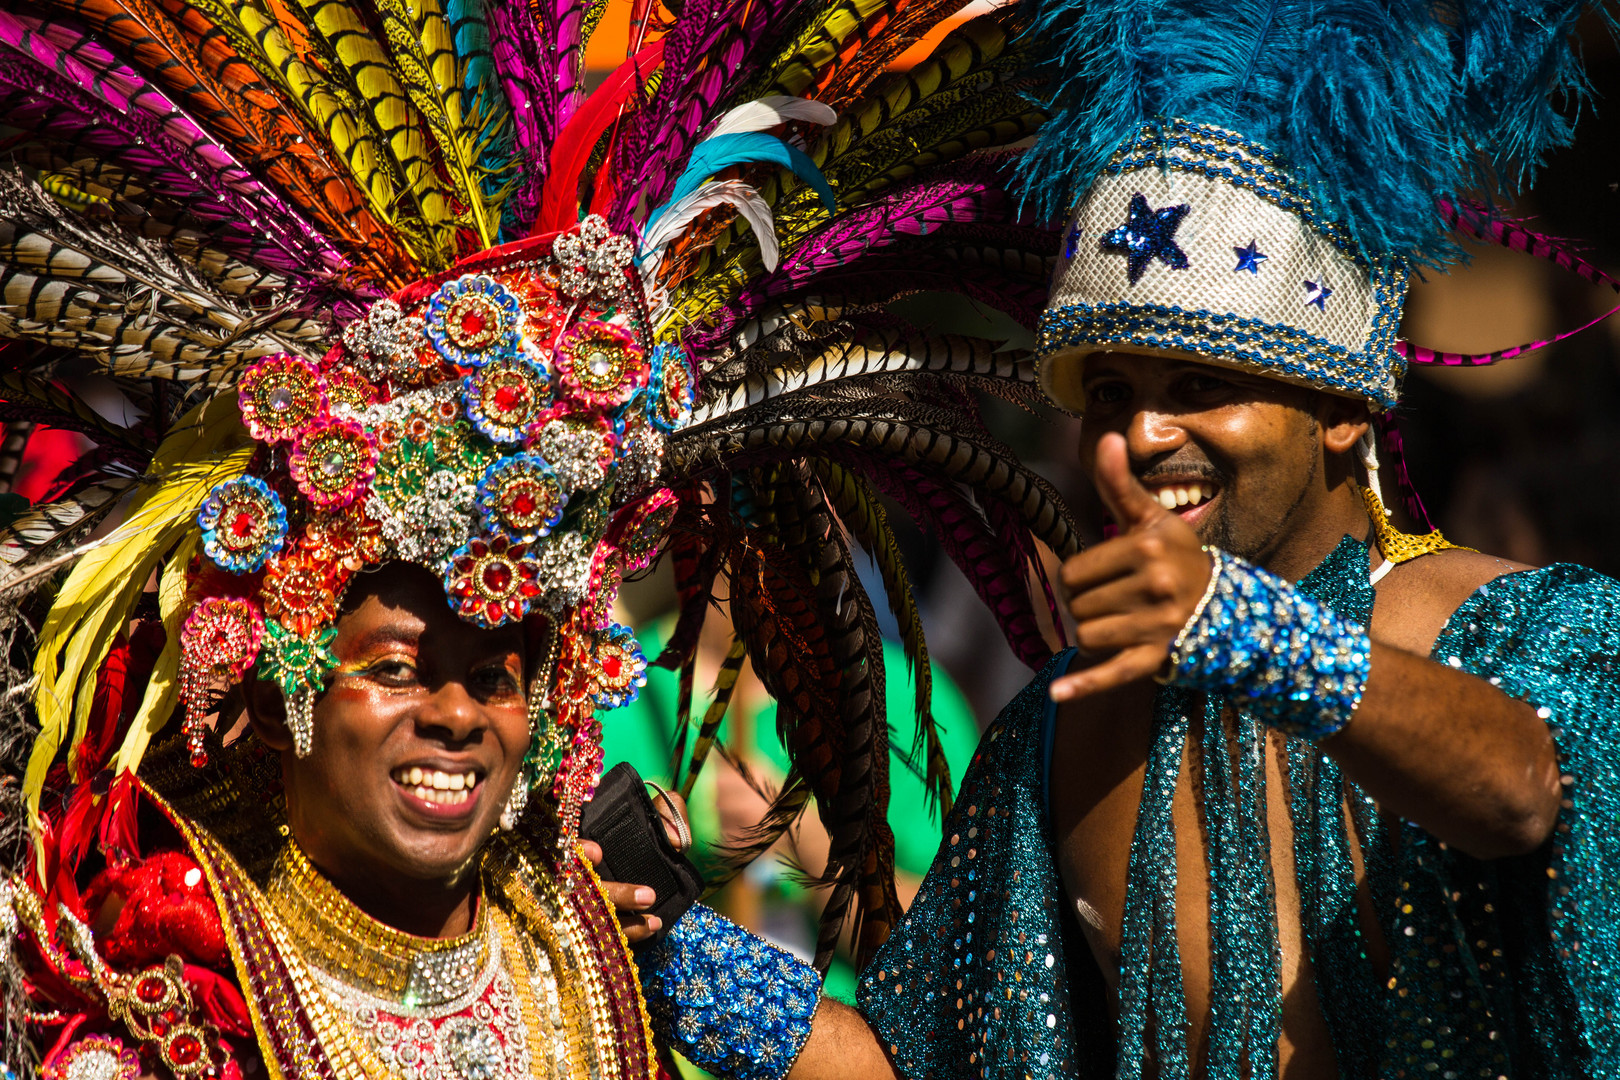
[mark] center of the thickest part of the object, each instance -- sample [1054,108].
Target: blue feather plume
[1380,108]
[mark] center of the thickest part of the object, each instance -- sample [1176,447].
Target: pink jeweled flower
[280,396]
[333,463]
[599,365]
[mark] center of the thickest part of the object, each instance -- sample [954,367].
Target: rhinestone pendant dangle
[518,801]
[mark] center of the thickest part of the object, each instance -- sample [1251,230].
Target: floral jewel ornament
[218,644]
[243,523]
[503,425]
[617,666]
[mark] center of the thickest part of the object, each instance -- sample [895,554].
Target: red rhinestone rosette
[520,496]
[280,396]
[300,590]
[333,462]
[492,581]
[346,387]
[350,537]
[599,365]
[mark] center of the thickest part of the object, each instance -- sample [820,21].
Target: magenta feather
[1482,224]
[531,91]
[95,103]
[980,554]
[960,192]
[712,49]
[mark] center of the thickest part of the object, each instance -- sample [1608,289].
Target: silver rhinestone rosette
[592,262]
[384,341]
[575,452]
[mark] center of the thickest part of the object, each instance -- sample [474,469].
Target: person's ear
[1344,421]
[267,713]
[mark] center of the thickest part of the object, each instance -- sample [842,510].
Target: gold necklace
[1395,546]
[395,1004]
[350,946]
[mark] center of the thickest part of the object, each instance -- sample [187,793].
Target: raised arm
[1436,746]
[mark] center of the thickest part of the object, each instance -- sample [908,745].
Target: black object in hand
[635,849]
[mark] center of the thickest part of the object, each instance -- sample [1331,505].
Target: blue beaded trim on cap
[1286,658]
[1273,349]
[727,1001]
[1373,370]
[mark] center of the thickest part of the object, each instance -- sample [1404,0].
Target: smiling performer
[423,352]
[1315,797]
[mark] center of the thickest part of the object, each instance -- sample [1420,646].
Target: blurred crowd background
[1520,460]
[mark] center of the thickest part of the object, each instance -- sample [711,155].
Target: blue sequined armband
[727,1001]
[1285,657]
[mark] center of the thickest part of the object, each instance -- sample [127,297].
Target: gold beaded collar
[350,946]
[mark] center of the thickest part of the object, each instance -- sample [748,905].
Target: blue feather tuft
[1379,107]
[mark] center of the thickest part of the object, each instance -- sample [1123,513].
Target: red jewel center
[185,1049]
[523,504]
[242,524]
[497,576]
[472,323]
[612,665]
[509,397]
[150,989]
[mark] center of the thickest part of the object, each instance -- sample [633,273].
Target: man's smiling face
[1238,456]
[417,742]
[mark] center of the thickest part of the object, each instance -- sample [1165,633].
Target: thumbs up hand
[1131,595]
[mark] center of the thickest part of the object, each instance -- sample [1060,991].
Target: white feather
[735,193]
[768,112]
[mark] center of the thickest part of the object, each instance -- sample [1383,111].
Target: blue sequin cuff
[727,1001]
[1284,657]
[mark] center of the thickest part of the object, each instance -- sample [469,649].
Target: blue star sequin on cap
[1249,258]
[1071,243]
[1148,234]
[1317,292]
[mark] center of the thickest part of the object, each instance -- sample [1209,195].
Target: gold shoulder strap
[1395,546]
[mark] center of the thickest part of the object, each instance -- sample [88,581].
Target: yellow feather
[163,689]
[96,601]
[386,89]
[425,58]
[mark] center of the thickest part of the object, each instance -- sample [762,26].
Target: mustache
[1184,467]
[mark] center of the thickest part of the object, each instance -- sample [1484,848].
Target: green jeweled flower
[294,662]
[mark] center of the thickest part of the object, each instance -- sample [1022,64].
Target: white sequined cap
[1194,241]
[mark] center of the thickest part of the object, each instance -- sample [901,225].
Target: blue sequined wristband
[727,1001]
[1286,658]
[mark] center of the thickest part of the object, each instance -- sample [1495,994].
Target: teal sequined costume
[1504,968]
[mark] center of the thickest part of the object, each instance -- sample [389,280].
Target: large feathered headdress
[381,282]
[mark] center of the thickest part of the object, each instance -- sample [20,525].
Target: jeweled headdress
[377,281]
[1252,184]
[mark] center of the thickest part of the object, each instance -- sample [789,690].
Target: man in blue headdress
[1313,797]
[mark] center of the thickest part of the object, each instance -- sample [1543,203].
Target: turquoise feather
[724,151]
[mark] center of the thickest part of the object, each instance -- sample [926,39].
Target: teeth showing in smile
[1177,495]
[431,785]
